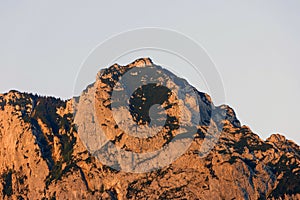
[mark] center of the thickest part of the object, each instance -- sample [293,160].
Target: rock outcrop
[43,157]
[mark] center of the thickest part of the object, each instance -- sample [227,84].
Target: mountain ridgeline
[43,157]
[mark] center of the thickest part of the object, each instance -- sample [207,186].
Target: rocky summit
[47,152]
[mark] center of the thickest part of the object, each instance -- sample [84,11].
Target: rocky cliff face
[43,157]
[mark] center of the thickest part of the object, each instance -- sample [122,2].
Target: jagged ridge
[43,157]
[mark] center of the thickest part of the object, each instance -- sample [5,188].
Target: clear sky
[254,44]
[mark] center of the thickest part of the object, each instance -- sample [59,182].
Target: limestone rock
[43,157]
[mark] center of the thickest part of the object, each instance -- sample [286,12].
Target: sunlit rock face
[47,153]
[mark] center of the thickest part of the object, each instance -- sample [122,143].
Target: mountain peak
[141,62]
[43,156]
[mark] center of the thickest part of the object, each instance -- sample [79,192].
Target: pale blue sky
[254,44]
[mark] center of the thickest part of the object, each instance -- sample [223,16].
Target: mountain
[46,153]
